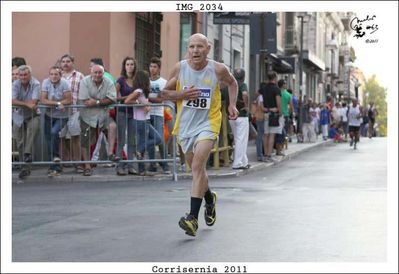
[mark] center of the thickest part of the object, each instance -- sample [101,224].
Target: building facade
[43,37]
[257,42]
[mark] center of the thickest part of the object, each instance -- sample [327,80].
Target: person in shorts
[271,106]
[96,93]
[195,85]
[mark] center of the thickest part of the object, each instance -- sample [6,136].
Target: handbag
[274,118]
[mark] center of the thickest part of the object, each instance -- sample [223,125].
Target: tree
[377,94]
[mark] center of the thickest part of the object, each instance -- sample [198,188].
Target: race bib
[202,102]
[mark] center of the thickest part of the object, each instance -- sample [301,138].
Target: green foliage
[377,94]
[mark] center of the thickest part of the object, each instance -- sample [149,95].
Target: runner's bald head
[198,36]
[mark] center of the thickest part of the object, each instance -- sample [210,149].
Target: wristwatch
[98,102]
[58,103]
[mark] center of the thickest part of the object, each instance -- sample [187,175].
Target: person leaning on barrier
[71,131]
[56,94]
[16,130]
[96,92]
[195,84]
[112,127]
[26,95]
[124,117]
[141,114]
[157,114]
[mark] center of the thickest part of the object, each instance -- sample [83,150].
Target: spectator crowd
[129,120]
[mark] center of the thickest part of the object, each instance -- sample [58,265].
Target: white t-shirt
[344,111]
[354,116]
[156,87]
[318,113]
[336,113]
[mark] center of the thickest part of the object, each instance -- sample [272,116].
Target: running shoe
[351,142]
[189,224]
[210,211]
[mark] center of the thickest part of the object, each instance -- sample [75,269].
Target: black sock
[208,196]
[195,206]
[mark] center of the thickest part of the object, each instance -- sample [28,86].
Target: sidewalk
[108,174]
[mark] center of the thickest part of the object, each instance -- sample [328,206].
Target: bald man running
[195,85]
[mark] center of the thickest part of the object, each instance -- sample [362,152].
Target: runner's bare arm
[227,79]
[170,93]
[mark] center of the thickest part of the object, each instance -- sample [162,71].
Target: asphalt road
[327,205]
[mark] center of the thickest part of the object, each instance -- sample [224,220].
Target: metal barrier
[225,148]
[42,156]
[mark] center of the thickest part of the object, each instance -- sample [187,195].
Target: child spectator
[334,133]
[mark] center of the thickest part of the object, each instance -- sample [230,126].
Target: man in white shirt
[96,93]
[71,130]
[344,119]
[157,114]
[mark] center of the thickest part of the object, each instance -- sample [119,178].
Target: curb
[77,178]
[256,166]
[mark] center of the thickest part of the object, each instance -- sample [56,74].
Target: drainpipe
[205,24]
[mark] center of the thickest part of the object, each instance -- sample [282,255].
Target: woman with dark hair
[260,128]
[141,113]
[124,118]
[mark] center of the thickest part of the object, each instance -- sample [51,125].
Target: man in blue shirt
[25,95]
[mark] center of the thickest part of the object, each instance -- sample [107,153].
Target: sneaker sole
[189,230]
[212,220]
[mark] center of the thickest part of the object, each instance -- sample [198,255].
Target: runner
[355,120]
[195,84]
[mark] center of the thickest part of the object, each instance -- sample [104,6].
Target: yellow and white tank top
[202,114]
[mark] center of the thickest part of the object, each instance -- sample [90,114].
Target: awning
[312,60]
[280,65]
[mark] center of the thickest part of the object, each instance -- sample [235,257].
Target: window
[289,31]
[216,49]
[236,59]
[187,28]
[148,38]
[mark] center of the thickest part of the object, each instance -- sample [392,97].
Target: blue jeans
[260,128]
[125,120]
[52,127]
[157,123]
[143,130]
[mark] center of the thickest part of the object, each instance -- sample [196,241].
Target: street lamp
[349,65]
[300,103]
[301,17]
